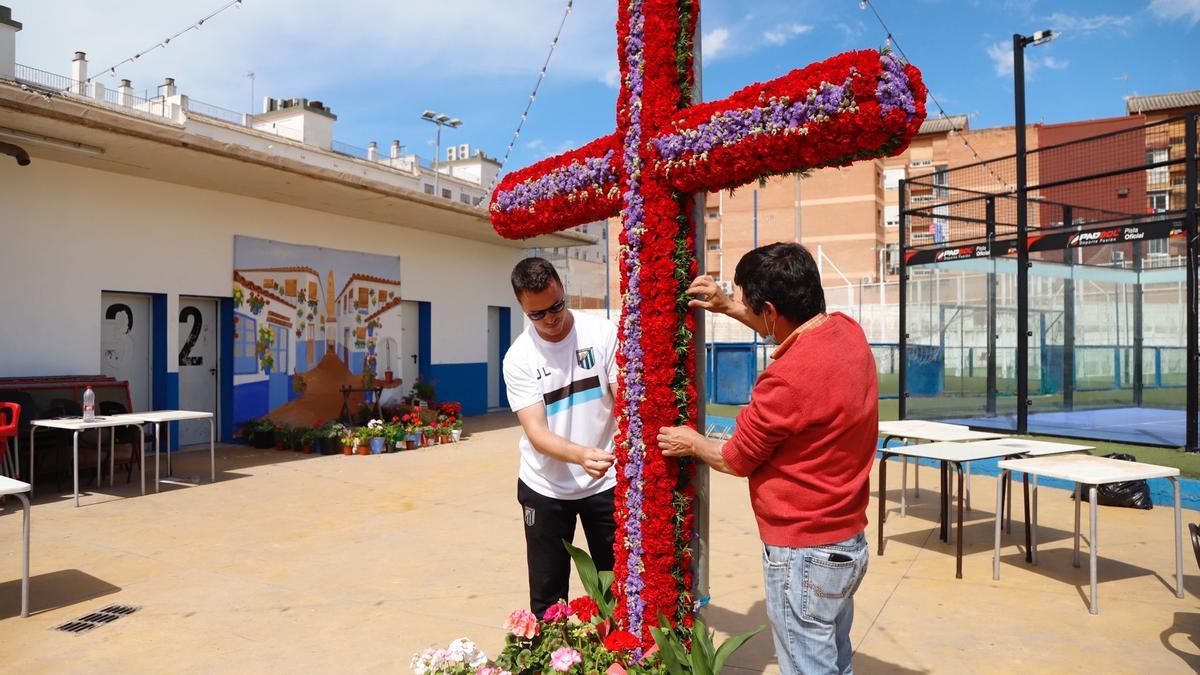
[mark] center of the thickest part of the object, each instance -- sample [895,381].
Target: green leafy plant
[701,658]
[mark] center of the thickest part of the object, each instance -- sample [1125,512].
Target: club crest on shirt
[585,358]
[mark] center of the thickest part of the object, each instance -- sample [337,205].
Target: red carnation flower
[621,641]
[585,608]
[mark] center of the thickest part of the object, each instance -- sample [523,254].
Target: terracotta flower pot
[364,449]
[347,449]
[446,438]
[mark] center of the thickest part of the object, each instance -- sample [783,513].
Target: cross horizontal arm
[853,106]
[558,193]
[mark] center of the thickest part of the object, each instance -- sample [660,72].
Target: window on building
[1158,175]
[312,290]
[714,244]
[279,349]
[712,213]
[465,198]
[245,362]
[446,193]
[362,296]
[1158,247]
[892,258]
[891,216]
[428,189]
[289,287]
[1160,201]
[892,178]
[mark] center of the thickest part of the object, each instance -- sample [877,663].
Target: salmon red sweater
[807,439]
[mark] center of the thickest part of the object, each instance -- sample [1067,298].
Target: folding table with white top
[158,417]
[9,486]
[1092,472]
[76,425]
[923,430]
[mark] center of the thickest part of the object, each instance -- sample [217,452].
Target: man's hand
[678,441]
[708,295]
[595,461]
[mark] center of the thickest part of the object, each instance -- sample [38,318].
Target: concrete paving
[303,563]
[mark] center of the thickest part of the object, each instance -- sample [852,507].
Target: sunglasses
[552,309]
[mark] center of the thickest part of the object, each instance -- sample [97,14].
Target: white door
[493,351]
[198,367]
[125,343]
[410,341]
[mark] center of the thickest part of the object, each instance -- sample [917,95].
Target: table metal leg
[99,458]
[25,556]
[142,456]
[32,473]
[968,481]
[170,469]
[882,497]
[212,449]
[1028,530]
[75,458]
[998,525]
[112,454]
[1079,497]
[1034,528]
[1178,541]
[958,568]
[1009,503]
[1094,607]
[944,514]
[904,486]
[156,436]
[17,454]
[916,478]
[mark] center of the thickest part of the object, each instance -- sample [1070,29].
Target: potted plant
[428,434]
[375,434]
[281,436]
[424,391]
[410,424]
[362,440]
[455,429]
[331,434]
[308,438]
[260,433]
[452,411]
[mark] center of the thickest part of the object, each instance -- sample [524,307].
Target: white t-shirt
[571,378]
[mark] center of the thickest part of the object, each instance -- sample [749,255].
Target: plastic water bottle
[89,405]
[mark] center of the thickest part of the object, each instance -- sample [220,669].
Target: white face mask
[769,338]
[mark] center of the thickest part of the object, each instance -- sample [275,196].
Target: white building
[132,206]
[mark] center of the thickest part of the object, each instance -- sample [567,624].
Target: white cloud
[713,43]
[1072,24]
[297,47]
[1176,10]
[781,35]
[535,144]
[1001,55]
[612,78]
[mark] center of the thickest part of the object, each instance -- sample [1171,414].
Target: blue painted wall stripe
[505,343]
[225,385]
[425,342]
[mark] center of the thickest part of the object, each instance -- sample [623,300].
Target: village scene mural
[308,322]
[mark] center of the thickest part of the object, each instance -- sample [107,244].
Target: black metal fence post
[903,337]
[1193,319]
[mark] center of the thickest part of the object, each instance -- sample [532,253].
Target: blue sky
[379,63]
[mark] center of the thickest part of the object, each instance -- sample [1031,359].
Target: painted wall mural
[306,321]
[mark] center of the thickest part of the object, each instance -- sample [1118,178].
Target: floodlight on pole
[1019,43]
[441,120]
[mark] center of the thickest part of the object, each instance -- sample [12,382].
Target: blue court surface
[1161,492]
[1148,426]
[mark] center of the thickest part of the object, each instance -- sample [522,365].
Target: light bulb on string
[862,4]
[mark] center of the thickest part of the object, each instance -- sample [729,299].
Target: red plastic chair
[11,463]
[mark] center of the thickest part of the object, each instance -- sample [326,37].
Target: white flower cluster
[375,424]
[462,656]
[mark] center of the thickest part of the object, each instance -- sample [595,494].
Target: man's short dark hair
[785,275]
[533,275]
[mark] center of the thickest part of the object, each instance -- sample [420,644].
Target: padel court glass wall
[1084,323]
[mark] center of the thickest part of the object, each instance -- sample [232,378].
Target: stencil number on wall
[185,354]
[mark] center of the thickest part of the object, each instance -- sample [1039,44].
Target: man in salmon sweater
[806,441]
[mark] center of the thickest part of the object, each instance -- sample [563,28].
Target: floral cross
[853,106]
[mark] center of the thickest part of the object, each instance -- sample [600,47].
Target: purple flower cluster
[779,115]
[631,346]
[894,90]
[592,172]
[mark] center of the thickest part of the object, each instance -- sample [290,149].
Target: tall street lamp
[440,120]
[1019,43]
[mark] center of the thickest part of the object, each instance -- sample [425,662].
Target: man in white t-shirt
[561,376]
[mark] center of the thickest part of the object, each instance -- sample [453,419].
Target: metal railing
[50,81]
[351,150]
[215,112]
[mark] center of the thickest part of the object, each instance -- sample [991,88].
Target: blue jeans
[810,600]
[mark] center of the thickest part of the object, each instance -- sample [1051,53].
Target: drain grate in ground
[97,618]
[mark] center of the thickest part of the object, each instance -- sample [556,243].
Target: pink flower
[522,623]
[491,670]
[557,612]
[563,658]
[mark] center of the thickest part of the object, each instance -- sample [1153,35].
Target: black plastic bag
[1134,494]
